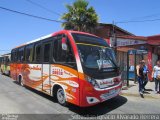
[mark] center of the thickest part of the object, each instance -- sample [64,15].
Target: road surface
[15,99]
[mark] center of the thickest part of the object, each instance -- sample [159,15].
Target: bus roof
[7,54]
[54,34]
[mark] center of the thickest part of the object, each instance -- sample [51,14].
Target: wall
[106,31]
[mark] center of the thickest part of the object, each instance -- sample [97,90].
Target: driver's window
[62,56]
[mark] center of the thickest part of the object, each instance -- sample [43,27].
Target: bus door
[46,67]
[64,70]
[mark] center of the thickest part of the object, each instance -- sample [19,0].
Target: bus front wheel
[61,96]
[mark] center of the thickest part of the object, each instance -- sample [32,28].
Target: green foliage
[80,17]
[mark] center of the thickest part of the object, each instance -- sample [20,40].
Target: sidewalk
[132,90]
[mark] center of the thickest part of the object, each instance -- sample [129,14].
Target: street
[15,99]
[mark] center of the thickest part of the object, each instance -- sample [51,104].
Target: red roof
[154,40]
[133,37]
[154,37]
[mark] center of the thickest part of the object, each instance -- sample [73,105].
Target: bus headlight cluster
[92,81]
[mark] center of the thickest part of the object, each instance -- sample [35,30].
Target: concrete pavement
[132,90]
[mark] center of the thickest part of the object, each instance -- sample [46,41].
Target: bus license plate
[109,94]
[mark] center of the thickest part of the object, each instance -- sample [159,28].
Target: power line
[148,16]
[4,50]
[36,4]
[29,15]
[144,17]
[42,18]
[138,21]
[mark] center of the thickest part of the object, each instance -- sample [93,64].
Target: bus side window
[29,53]
[0,60]
[56,51]
[70,56]
[8,59]
[4,60]
[14,55]
[37,51]
[21,54]
[63,56]
[46,52]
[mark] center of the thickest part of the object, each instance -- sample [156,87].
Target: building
[154,42]
[129,53]
[130,48]
[107,31]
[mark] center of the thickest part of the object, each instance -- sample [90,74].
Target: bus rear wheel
[21,81]
[61,96]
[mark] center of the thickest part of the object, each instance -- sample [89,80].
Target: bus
[73,67]
[5,64]
[1,58]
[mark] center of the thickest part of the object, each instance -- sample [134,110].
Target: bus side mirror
[64,43]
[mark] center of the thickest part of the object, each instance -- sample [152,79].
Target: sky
[16,29]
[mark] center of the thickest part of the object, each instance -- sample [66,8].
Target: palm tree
[80,17]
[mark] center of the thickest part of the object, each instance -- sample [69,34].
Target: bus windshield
[96,57]
[94,52]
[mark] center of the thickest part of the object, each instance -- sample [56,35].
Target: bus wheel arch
[58,94]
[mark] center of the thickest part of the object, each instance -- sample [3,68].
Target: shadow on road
[148,90]
[101,108]
[98,109]
[131,86]
[37,92]
[145,92]
[7,76]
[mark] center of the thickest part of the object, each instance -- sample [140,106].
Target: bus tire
[59,95]
[20,80]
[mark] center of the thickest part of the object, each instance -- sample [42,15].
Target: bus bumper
[93,97]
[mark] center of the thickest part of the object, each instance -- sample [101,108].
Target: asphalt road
[15,99]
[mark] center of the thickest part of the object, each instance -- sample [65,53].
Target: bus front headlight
[92,81]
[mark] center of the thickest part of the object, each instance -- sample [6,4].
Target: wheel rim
[60,96]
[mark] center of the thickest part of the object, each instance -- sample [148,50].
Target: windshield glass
[94,52]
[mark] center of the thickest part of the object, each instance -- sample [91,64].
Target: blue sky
[16,29]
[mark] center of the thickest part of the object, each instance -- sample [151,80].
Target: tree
[80,17]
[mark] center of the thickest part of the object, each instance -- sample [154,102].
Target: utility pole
[114,38]
[128,69]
